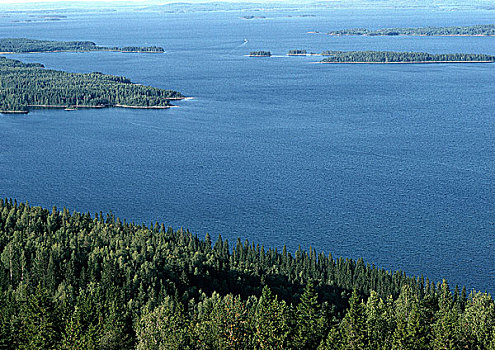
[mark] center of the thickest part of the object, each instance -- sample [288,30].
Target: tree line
[260,54]
[19,45]
[26,84]
[397,57]
[296,52]
[82,281]
[475,30]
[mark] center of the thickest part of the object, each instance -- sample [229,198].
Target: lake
[391,163]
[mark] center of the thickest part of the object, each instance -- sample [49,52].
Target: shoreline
[437,35]
[14,112]
[79,51]
[76,107]
[413,62]
[306,54]
[141,107]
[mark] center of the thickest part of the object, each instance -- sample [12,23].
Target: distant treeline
[482,29]
[19,45]
[296,52]
[260,54]
[28,84]
[81,281]
[400,57]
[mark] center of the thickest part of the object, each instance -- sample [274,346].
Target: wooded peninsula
[475,30]
[402,57]
[82,281]
[23,45]
[26,85]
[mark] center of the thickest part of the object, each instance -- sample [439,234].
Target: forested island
[82,281]
[23,45]
[260,54]
[402,57]
[297,53]
[253,17]
[26,85]
[475,30]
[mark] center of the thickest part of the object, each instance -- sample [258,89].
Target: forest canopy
[260,54]
[25,85]
[82,281]
[475,30]
[400,57]
[20,45]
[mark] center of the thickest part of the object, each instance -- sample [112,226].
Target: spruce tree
[353,325]
[309,320]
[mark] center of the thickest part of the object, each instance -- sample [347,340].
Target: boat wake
[239,46]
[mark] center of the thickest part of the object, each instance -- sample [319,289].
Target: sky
[107,1]
[33,1]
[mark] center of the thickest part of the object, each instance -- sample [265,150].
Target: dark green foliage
[310,322]
[154,49]
[476,30]
[271,322]
[297,52]
[260,54]
[400,57]
[76,281]
[18,45]
[411,322]
[26,85]
[353,330]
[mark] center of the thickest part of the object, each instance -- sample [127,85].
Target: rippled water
[392,163]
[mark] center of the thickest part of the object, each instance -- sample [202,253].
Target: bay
[391,163]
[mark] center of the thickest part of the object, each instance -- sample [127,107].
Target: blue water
[392,163]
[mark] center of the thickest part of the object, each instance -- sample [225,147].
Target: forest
[94,281]
[475,30]
[400,57]
[25,85]
[20,45]
[260,54]
[296,52]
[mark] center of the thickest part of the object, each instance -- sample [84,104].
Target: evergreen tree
[411,324]
[478,321]
[379,322]
[309,320]
[353,326]
[271,322]
[163,328]
[39,325]
[446,327]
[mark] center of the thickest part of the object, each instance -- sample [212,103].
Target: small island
[297,53]
[475,30]
[402,57]
[30,85]
[260,54]
[23,45]
[253,17]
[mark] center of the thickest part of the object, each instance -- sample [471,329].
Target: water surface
[392,163]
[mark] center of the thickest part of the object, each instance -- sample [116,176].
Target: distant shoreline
[413,62]
[75,107]
[58,51]
[438,35]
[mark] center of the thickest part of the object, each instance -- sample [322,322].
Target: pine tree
[271,327]
[309,320]
[411,325]
[478,321]
[162,328]
[353,325]
[446,327]
[379,322]
[39,324]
